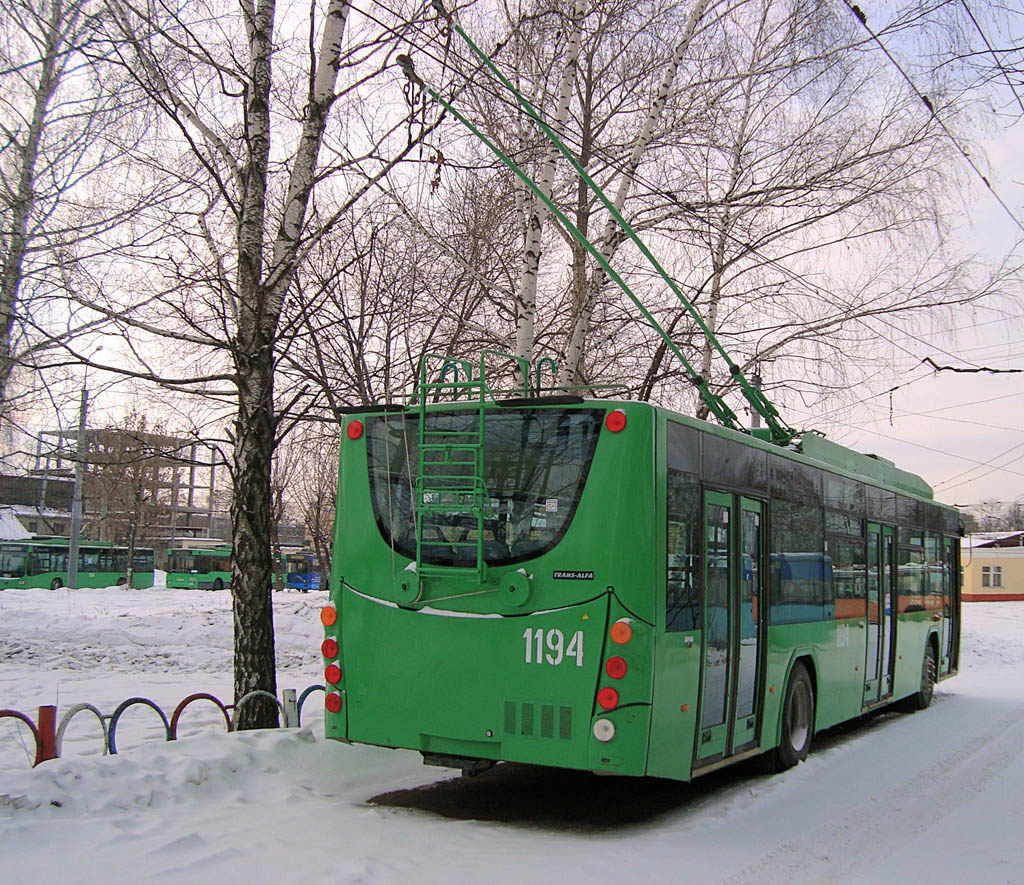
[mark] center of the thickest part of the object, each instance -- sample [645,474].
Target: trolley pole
[76,499]
[755,416]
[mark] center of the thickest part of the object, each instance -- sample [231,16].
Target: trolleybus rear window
[535,466]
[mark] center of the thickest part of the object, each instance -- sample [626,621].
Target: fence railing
[48,733]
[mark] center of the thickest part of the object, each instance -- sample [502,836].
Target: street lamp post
[76,499]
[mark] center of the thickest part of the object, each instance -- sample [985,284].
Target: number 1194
[550,646]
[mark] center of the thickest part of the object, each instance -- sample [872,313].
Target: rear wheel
[218,584]
[922,698]
[797,720]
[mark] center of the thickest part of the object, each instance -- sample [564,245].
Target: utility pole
[76,500]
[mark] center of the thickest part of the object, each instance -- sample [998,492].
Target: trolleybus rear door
[733,576]
[881,550]
[950,603]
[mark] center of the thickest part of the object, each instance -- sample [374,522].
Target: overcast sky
[946,426]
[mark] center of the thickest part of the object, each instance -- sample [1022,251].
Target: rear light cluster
[615,667]
[329,649]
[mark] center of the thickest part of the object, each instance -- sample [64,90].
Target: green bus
[614,587]
[199,568]
[44,563]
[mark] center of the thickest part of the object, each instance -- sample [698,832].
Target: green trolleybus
[199,568]
[44,563]
[611,586]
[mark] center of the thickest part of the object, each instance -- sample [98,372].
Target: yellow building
[993,566]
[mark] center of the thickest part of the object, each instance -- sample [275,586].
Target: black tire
[922,698]
[122,581]
[218,584]
[56,584]
[797,720]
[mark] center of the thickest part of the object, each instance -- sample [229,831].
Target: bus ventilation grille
[538,720]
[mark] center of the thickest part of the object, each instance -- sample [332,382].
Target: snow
[937,796]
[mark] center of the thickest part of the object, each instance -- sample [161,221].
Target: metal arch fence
[48,735]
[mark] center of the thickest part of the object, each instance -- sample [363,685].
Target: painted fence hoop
[124,705]
[302,699]
[66,718]
[198,696]
[259,692]
[17,714]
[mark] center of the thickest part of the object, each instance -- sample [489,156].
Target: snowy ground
[934,797]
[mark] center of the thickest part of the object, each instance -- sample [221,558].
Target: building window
[991,576]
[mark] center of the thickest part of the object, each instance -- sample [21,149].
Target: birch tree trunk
[20,199]
[586,294]
[526,298]
[260,303]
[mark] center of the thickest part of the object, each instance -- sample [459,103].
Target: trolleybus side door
[881,563]
[733,581]
[751,599]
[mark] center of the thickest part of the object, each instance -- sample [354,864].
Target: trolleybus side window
[729,464]
[849,573]
[881,505]
[682,594]
[844,506]
[801,574]
[932,583]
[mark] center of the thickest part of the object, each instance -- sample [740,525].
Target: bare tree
[314,487]
[64,132]
[798,192]
[247,100]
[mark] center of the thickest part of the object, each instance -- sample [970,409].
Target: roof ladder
[450,478]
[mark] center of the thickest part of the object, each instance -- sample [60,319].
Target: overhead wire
[994,54]
[978,464]
[858,13]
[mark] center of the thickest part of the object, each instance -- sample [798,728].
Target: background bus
[199,568]
[44,563]
[300,570]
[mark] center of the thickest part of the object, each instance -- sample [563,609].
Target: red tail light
[333,674]
[615,667]
[333,702]
[615,420]
[608,698]
[329,648]
[354,429]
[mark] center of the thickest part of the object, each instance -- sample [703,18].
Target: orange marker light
[615,421]
[333,702]
[354,429]
[328,616]
[621,631]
